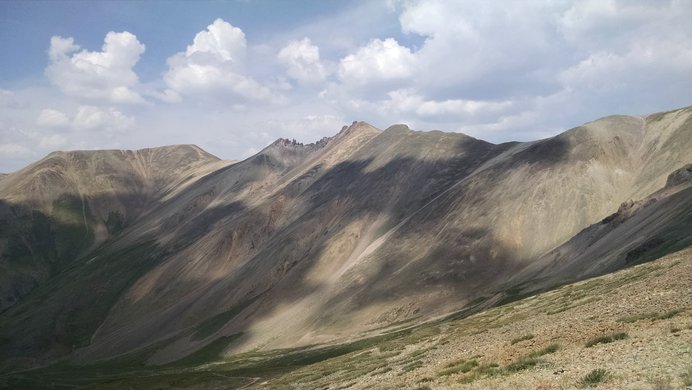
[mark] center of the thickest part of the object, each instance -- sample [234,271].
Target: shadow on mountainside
[59,291]
[343,196]
[280,242]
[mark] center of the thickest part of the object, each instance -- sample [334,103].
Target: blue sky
[232,76]
[164,26]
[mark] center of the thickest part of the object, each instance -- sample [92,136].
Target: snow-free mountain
[104,253]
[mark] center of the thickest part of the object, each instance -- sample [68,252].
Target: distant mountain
[69,203]
[169,249]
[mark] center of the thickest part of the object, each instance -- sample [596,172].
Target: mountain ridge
[304,244]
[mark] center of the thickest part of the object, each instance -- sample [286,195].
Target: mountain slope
[639,231]
[304,244]
[64,207]
[71,202]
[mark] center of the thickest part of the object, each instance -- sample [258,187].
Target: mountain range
[173,251]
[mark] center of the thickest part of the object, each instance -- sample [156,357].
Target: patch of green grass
[531,360]
[412,366]
[339,369]
[346,386]
[637,317]
[558,310]
[545,351]
[687,377]
[522,338]
[492,369]
[605,339]
[653,316]
[523,363]
[481,372]
[594,378]
[669,314]
[331,358]
[459,367]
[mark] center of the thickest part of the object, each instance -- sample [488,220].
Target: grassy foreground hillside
[628,330]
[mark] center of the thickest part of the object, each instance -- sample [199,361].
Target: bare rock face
[307,243]
[680,176]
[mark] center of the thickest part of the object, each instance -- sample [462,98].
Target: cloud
[519,69]
[408,106]
[609,82]
[479,50]
[605,23]
[449,109]
[52,142]
[14,150]
[8,99]
[52,118]
[221,39]
[105,75]
[379,62]
[86,117]
[307,126]
[91,118]
[302,62]
[213,65]
[475,63]
[60,47]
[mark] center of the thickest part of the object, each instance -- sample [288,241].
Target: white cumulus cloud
[213,64]
[92,117]
[100,75]
[302,61]
[380,61]
[49,117]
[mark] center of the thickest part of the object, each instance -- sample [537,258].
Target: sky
[233,76]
